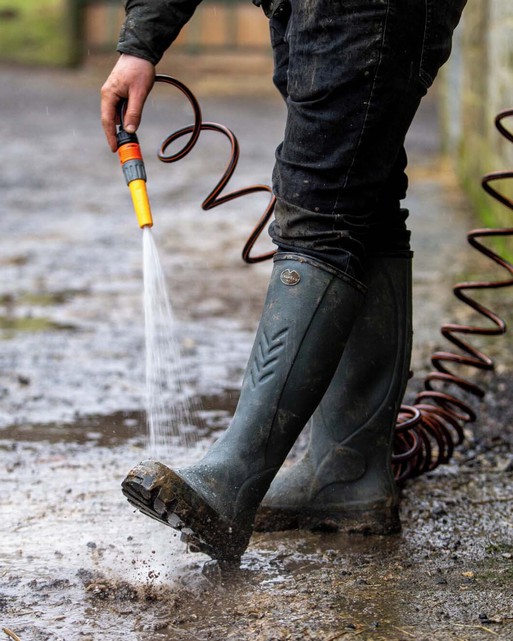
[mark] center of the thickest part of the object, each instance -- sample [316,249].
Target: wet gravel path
[75,561]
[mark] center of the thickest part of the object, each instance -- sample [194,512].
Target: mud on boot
[163,494]
[344,481]
[308,314]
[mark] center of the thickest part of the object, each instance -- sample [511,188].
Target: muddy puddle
[76,561]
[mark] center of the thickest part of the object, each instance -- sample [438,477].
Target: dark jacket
[152,25]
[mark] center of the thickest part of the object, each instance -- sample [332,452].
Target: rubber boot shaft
[345,481]
[307,318]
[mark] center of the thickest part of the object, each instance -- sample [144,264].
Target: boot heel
[384,520]
[160,493]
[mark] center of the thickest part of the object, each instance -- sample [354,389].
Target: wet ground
[75,561]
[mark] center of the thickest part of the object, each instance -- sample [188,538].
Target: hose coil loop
[214,198]
[427,432]
[438,426]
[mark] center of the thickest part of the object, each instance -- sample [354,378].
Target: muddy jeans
[353,73]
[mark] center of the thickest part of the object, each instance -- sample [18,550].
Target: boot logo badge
[290,277]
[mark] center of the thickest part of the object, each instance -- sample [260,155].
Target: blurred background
[476,84]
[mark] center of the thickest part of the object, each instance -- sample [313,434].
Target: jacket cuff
[152,25]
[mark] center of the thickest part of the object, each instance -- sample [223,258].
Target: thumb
[132,117]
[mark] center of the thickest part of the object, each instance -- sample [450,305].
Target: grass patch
[34,32]
[11,326]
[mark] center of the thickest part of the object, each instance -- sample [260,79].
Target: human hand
[131,78]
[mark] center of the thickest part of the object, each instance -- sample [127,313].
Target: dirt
[76,562]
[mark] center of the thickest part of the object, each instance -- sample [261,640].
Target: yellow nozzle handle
[141,202]
[132,163]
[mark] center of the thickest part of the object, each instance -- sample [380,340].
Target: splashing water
[167,407]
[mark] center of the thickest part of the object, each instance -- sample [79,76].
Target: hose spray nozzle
[132,164]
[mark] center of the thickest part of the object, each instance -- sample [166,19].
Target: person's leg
[357,70]
[344,481]
[307,317]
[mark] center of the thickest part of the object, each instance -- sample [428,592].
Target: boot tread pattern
[159,493]
[267,356]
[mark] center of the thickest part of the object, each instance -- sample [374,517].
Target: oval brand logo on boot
[290,277]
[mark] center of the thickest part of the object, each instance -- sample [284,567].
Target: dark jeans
[353,73]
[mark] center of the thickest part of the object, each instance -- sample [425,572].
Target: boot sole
[160,493]
[375,521]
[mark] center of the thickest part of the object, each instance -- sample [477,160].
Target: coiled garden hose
[426,432]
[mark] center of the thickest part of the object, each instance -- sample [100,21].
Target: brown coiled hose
[215,198]
[427,432]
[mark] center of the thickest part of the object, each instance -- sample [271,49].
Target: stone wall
[476,84]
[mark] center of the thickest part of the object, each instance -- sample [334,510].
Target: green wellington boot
[344,482]
[308,314]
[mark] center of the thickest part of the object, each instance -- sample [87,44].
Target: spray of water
[167,406]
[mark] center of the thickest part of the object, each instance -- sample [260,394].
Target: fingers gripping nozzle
[132,164]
